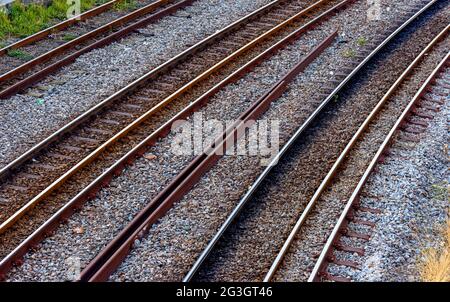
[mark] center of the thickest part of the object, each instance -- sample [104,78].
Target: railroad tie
[122,113]
[334,278]
[412,130]
[429,107]
[417,123]
[164,85]
[349,233]
[70,148]
[140,98]
[172,78]
[350,249]
[86,140]
[30,176]
[428,97]
[369,210]
[417,113]
[99,131]
[409,138]
[17,188]
[364,222]
[348,263]
[44,166]
[110,122]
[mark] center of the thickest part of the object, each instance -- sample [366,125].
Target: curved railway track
[423,105]
[53,54]
[274,23]
[193,273]
[376,115]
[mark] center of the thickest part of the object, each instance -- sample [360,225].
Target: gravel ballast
[163,86]
[246,252]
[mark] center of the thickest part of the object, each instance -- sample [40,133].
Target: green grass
[349,53]
[361,41]
[69,37]
[440,191]
[17,53]
[125,5]
[24,20]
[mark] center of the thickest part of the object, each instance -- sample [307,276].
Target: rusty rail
[110,258]
[322,262]
[58,27]
[37,76]
[89,192]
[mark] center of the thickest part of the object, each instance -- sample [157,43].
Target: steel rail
[321,263]
[22,84]
[5,171]
[58,27]
[235,213]
[356,137]
[98,151]
[113,254]
[76,202]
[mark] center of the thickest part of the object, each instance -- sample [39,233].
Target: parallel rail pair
[23,76]
[320,270]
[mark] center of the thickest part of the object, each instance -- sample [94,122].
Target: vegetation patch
[435,266]
[69,37]
[125,5]
[362,41]
[22,20]
[17,53]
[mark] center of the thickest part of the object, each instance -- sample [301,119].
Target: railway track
[413,120]
[346,169]
[273,19]
[222,256]
[51,52]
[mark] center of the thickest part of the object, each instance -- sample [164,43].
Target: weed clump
[22,20]
[17,53]
[435,266]
[125,5]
